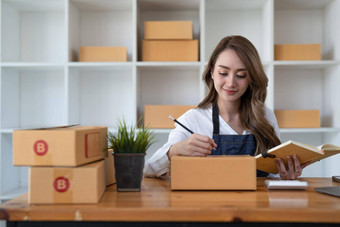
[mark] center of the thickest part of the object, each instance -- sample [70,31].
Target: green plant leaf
[132,140]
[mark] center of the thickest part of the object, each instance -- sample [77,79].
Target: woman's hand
[294,168]
[195,145]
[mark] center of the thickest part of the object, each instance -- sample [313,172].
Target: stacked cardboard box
[67,163]
[169,41]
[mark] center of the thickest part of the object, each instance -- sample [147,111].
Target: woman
[232,118]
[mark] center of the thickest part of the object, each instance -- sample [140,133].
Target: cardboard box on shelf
[102,54]
[168,30]
[170,50]
[157,116]
[298,118]
[67,185]
[69,146]
[110,173]
[297,52]
[213,173]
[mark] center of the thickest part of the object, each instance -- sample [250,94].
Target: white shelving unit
[42,82]
[310,84]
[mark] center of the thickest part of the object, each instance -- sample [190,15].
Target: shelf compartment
[100,23]
[12,177]
[33,31]
[319,92]
[166,11]
[32,97]
[101,96]
[162,86]
[251,19]
[307,22]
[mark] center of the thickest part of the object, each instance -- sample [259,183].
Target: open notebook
[305,153]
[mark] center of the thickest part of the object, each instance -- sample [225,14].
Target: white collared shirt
[199,121]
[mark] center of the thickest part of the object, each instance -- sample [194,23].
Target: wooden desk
[157,203]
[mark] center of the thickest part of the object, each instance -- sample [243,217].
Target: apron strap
[216,122]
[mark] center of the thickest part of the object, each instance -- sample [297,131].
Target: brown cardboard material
[67,185]
[213,173]
[168,30]
[70,146]
[170,50]
[157,116]
[298,118]
[110,168]
[102,54]
[297,52]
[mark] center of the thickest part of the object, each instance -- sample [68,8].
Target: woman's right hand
[195,145]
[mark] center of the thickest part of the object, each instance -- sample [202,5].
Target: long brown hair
[252,111]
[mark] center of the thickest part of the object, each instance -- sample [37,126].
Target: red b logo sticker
[40,147]
[61,184]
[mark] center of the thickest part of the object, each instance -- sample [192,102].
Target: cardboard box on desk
[67,185]
[170,50]
[157,116]
[102,54]
[168,30]
[298,118]
[297,52]
[69,146]
[213,173]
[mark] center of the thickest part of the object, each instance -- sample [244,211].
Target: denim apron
[233,144]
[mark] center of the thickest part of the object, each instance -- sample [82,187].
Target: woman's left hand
[294,168]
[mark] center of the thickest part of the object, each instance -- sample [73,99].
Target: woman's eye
[241,76]
[223,74]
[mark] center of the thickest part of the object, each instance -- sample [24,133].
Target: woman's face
[230,76]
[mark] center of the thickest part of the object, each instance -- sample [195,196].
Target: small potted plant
[129,148]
